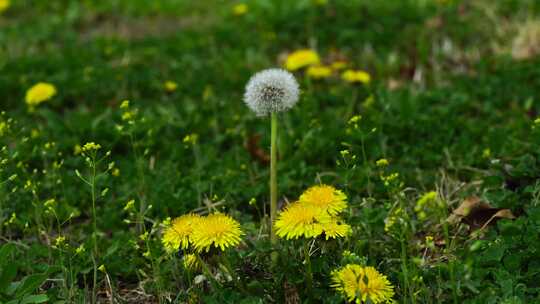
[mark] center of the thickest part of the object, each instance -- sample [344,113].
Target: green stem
[309,273]
[273,184]
[215,284]
[94,238]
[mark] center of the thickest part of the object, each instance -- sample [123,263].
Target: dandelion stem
[273,176]
[309,273]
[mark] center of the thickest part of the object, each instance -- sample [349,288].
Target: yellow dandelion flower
[362,284]
[39,93]
[335,228]
[240,9]
[300,220]
[325,198]
[4,5]
[191,262]
[354,76]
[301,58]
[170,86]
[319,72]
[218,230]
[338,65]
[178,234]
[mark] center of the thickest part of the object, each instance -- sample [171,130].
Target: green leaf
[29,284]
[7,275]
[42,298]
[5,251]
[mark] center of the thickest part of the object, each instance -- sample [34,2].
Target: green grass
[445,90]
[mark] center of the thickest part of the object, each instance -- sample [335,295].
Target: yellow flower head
[300,220]
[301,58]
[354,76]
[360,284]
[90,146]
[191,262]
[4,5]
[217,229]
[39,93]
[338,65]
[325,198]
[170,86]
[319,71]
[178,234]
[240,9]
[335,228]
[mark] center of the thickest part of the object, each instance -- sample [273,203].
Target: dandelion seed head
[270,91]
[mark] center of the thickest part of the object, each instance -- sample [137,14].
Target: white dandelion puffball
[270,91]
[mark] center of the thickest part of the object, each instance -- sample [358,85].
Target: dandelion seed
[216,230]
[271,91]
[362,284]
[301,58]
[39,93]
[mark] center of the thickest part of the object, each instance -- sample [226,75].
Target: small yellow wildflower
[130,205]
[11,219]
[190,139]
[240,9]
[77,150]
[3,127]
[80,249]
[191,262]
[178,234]
[59,241]
[124,104]
[4,5]
[216,230]
[170,86]
[325,198]
[383,162]
[115,172]
[319,72]
[301,58]
[338,65]
[102,268]
[362,284]
[90,146]
[426,204]
[354,76]
[486,153]
[39,93]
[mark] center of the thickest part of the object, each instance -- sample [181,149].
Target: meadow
[392,158]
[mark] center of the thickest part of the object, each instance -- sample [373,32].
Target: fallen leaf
[256,152]
[478,214]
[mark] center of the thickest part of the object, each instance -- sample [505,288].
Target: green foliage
[450,107]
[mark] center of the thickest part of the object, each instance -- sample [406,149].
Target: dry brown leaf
[478,214]
[256,152]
